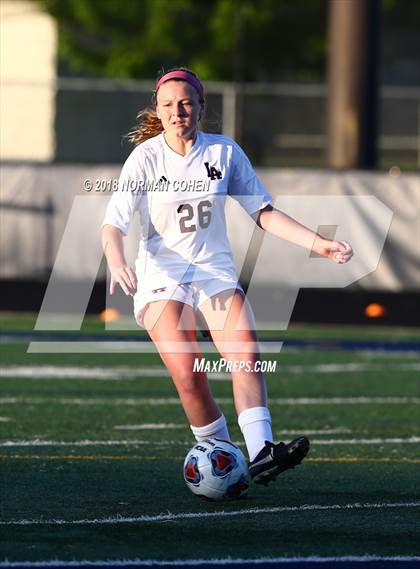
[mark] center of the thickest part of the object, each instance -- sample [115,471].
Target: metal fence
[279,125]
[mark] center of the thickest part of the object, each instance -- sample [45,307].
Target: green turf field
[92,448]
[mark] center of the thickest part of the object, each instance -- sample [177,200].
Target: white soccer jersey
[181,202]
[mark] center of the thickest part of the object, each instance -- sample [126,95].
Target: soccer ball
[216,470]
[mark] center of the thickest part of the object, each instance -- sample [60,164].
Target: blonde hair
[148,126]
[148,123]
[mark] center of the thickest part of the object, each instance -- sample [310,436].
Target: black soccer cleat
[276,458]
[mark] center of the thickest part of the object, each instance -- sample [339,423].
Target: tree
[220,39]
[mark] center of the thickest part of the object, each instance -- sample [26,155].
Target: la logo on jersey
[156,290]
[212,172]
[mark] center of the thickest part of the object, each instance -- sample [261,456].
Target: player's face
[178,107]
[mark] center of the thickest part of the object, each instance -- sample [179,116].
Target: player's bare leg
[230,320]
[171,324]
[231,323]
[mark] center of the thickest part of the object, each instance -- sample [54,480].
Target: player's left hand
[339,251]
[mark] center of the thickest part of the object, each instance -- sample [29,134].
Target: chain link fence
[278,125]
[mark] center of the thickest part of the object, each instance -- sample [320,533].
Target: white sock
[218,429]
[255,424]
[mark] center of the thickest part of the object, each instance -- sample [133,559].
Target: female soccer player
[178,178]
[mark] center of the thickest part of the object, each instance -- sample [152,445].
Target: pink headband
[185,76]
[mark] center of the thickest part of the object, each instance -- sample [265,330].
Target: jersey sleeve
[244,184]
[125,200]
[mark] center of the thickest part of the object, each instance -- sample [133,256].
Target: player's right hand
[126,278]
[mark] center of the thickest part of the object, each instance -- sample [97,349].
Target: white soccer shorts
[193,294]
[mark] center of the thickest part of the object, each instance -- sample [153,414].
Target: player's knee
[190,383]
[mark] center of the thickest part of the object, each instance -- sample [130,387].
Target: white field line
[347,367]
[140,401]
[78,372]
[5,419]
[197,562]
[163,426]
[362,400]
[119,373]
[132,442]
[150,427]
[218,562]
[378,354]
[220,514]
[336,431]
[377,441]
